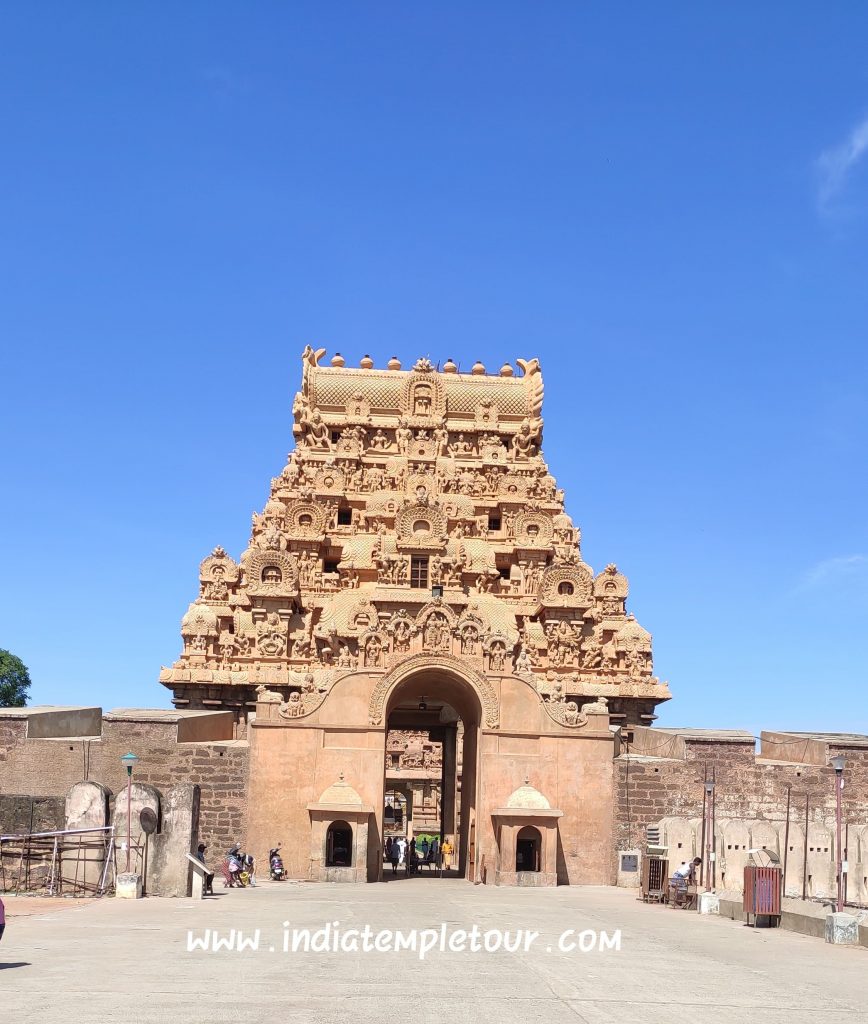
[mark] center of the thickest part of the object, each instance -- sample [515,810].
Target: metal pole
[713,823]
[846,857]
[786,845]
[839,778]
[805,855]
[129,813]
[703,874]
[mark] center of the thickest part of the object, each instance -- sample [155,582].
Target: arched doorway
[528,849]
[339,845]
[441,711]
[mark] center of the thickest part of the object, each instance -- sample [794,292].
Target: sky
[666,203]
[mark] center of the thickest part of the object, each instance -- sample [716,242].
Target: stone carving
[218,566]
[444,663]
[598,707]
[266,696]
[400,482]
[292,708]
[523,664]
[524,443]
[565,712]
[315,431]
[271,635]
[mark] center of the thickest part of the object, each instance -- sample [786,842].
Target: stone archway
[434,693]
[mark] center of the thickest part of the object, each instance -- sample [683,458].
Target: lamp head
[129,762]
[838,763]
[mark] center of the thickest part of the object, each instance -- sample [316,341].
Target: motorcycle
[275,863]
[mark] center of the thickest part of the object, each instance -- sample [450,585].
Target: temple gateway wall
[414,572]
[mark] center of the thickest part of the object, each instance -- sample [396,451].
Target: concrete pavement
[124,960]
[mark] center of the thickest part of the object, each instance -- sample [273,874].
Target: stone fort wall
[44,752]
[659,783]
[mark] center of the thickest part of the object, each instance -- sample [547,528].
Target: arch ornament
[418,663]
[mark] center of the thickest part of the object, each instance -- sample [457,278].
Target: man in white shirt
[687,871]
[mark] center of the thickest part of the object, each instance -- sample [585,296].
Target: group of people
[239,869]
[414,856]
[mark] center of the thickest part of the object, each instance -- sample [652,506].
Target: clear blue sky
[667,203]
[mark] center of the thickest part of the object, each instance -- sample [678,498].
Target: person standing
[208,888]
[394,853]
[402,849]
[411,857]
[447,849]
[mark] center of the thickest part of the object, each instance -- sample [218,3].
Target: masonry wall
[48,768]
[748,790]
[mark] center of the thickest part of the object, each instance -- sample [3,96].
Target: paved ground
[117,960]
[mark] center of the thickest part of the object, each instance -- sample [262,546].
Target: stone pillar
[169,871]
[87,807]
[450,776]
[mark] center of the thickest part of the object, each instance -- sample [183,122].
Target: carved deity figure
[270,636]
[404,436]
[437,633]
[523,443]
[497,656]
[379,442]
[523,664]
[609,655]
[373,652]
[401,636]
[441,439]
[592,651]
[469,640]
[461,446]
[422,400]
[598,707]
[317,433]
[292,708]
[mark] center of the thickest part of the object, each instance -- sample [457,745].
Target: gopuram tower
[414,552]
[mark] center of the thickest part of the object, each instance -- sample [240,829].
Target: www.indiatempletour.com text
[333,938]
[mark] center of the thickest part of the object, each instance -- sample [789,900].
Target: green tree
[14,681]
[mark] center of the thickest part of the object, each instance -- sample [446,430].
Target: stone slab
[842,929]
[128,887]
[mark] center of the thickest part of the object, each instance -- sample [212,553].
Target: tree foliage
[14,681]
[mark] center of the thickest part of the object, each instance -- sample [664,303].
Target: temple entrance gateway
[413,639]
[437,764]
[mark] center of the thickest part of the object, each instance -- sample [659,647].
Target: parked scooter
[275,865]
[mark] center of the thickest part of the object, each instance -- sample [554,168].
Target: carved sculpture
[435,479]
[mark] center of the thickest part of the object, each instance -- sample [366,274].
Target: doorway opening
[430,775]
[528,849]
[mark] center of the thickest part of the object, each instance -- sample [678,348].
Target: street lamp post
[129,760]
[709,837]
[838,765]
